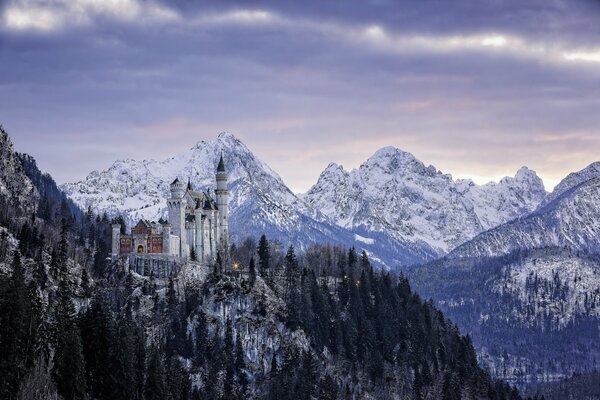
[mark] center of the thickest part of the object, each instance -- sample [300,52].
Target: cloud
[38,15]
[475,94]
[46,16]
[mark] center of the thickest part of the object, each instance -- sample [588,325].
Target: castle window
[140,249]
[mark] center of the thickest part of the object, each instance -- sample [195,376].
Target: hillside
[322,325]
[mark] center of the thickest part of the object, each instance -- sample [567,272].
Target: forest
[262,321]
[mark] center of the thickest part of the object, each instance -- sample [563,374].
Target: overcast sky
[476,88]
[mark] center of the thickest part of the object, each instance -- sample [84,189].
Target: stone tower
[176,206]
[222,199]
[116,241]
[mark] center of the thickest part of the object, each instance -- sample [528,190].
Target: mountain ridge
[262,203]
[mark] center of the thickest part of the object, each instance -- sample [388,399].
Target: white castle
[196,227]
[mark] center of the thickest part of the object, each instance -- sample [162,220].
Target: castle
[196,227]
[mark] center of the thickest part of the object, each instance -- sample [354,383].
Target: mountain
[260,201]
[533,314]
[16,189]
[528,291]
[572,180]
[571,218]
[309,330]
[396,194]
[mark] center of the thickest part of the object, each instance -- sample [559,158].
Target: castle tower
[176,206]
[166,238]
[222,199]
[116,241]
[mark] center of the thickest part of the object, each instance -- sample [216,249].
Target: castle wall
[126,245]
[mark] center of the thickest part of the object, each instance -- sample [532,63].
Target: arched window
[140,249]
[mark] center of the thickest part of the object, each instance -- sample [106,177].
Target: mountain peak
[391,151]
[525,173]
[226,135]
[572,180]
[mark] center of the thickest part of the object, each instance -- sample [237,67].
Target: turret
[177,215]
[177,189]
[222,199]
[116,241]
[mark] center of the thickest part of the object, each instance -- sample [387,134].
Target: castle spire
[189,185]
[221,166]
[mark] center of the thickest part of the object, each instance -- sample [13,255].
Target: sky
[475,88]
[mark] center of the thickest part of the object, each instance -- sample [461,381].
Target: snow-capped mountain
[259,200]
[536,278]
[139,188]
[395,193]
[572,180]
[569,217]
[393,206]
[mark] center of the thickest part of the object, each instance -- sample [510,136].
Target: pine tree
[85,283]
[328,388]
[172,302]
[98,337]
[123,361]
[264,256]
[239,353]
[201,340]
[139,362]
[239,366]
[63,250]
[19,321]
[155,387]
[352,259]
[69,364]
[252,269]
[229,361]
[291,267]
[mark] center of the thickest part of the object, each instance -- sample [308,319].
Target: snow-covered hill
[533,314]
[563,284]
[394,193]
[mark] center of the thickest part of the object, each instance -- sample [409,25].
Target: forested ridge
[262,321]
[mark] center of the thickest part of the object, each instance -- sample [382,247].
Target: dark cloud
[476,88]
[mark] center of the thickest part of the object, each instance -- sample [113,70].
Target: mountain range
[393,206]
[512,265]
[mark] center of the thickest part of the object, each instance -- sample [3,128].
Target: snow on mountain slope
[572,180]
[260,202]
[533,313]
[558,283]
[15,187]
[571,219]
[395,193]
[138,189]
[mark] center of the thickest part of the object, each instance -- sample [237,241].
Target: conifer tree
[19,322]
[155,387]
[229,361]
[264,256]
[69,364]
[252,270]
[123,361]
[85,282]
[201,340]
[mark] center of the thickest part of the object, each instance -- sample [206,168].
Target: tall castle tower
[222,199]
[176,206]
